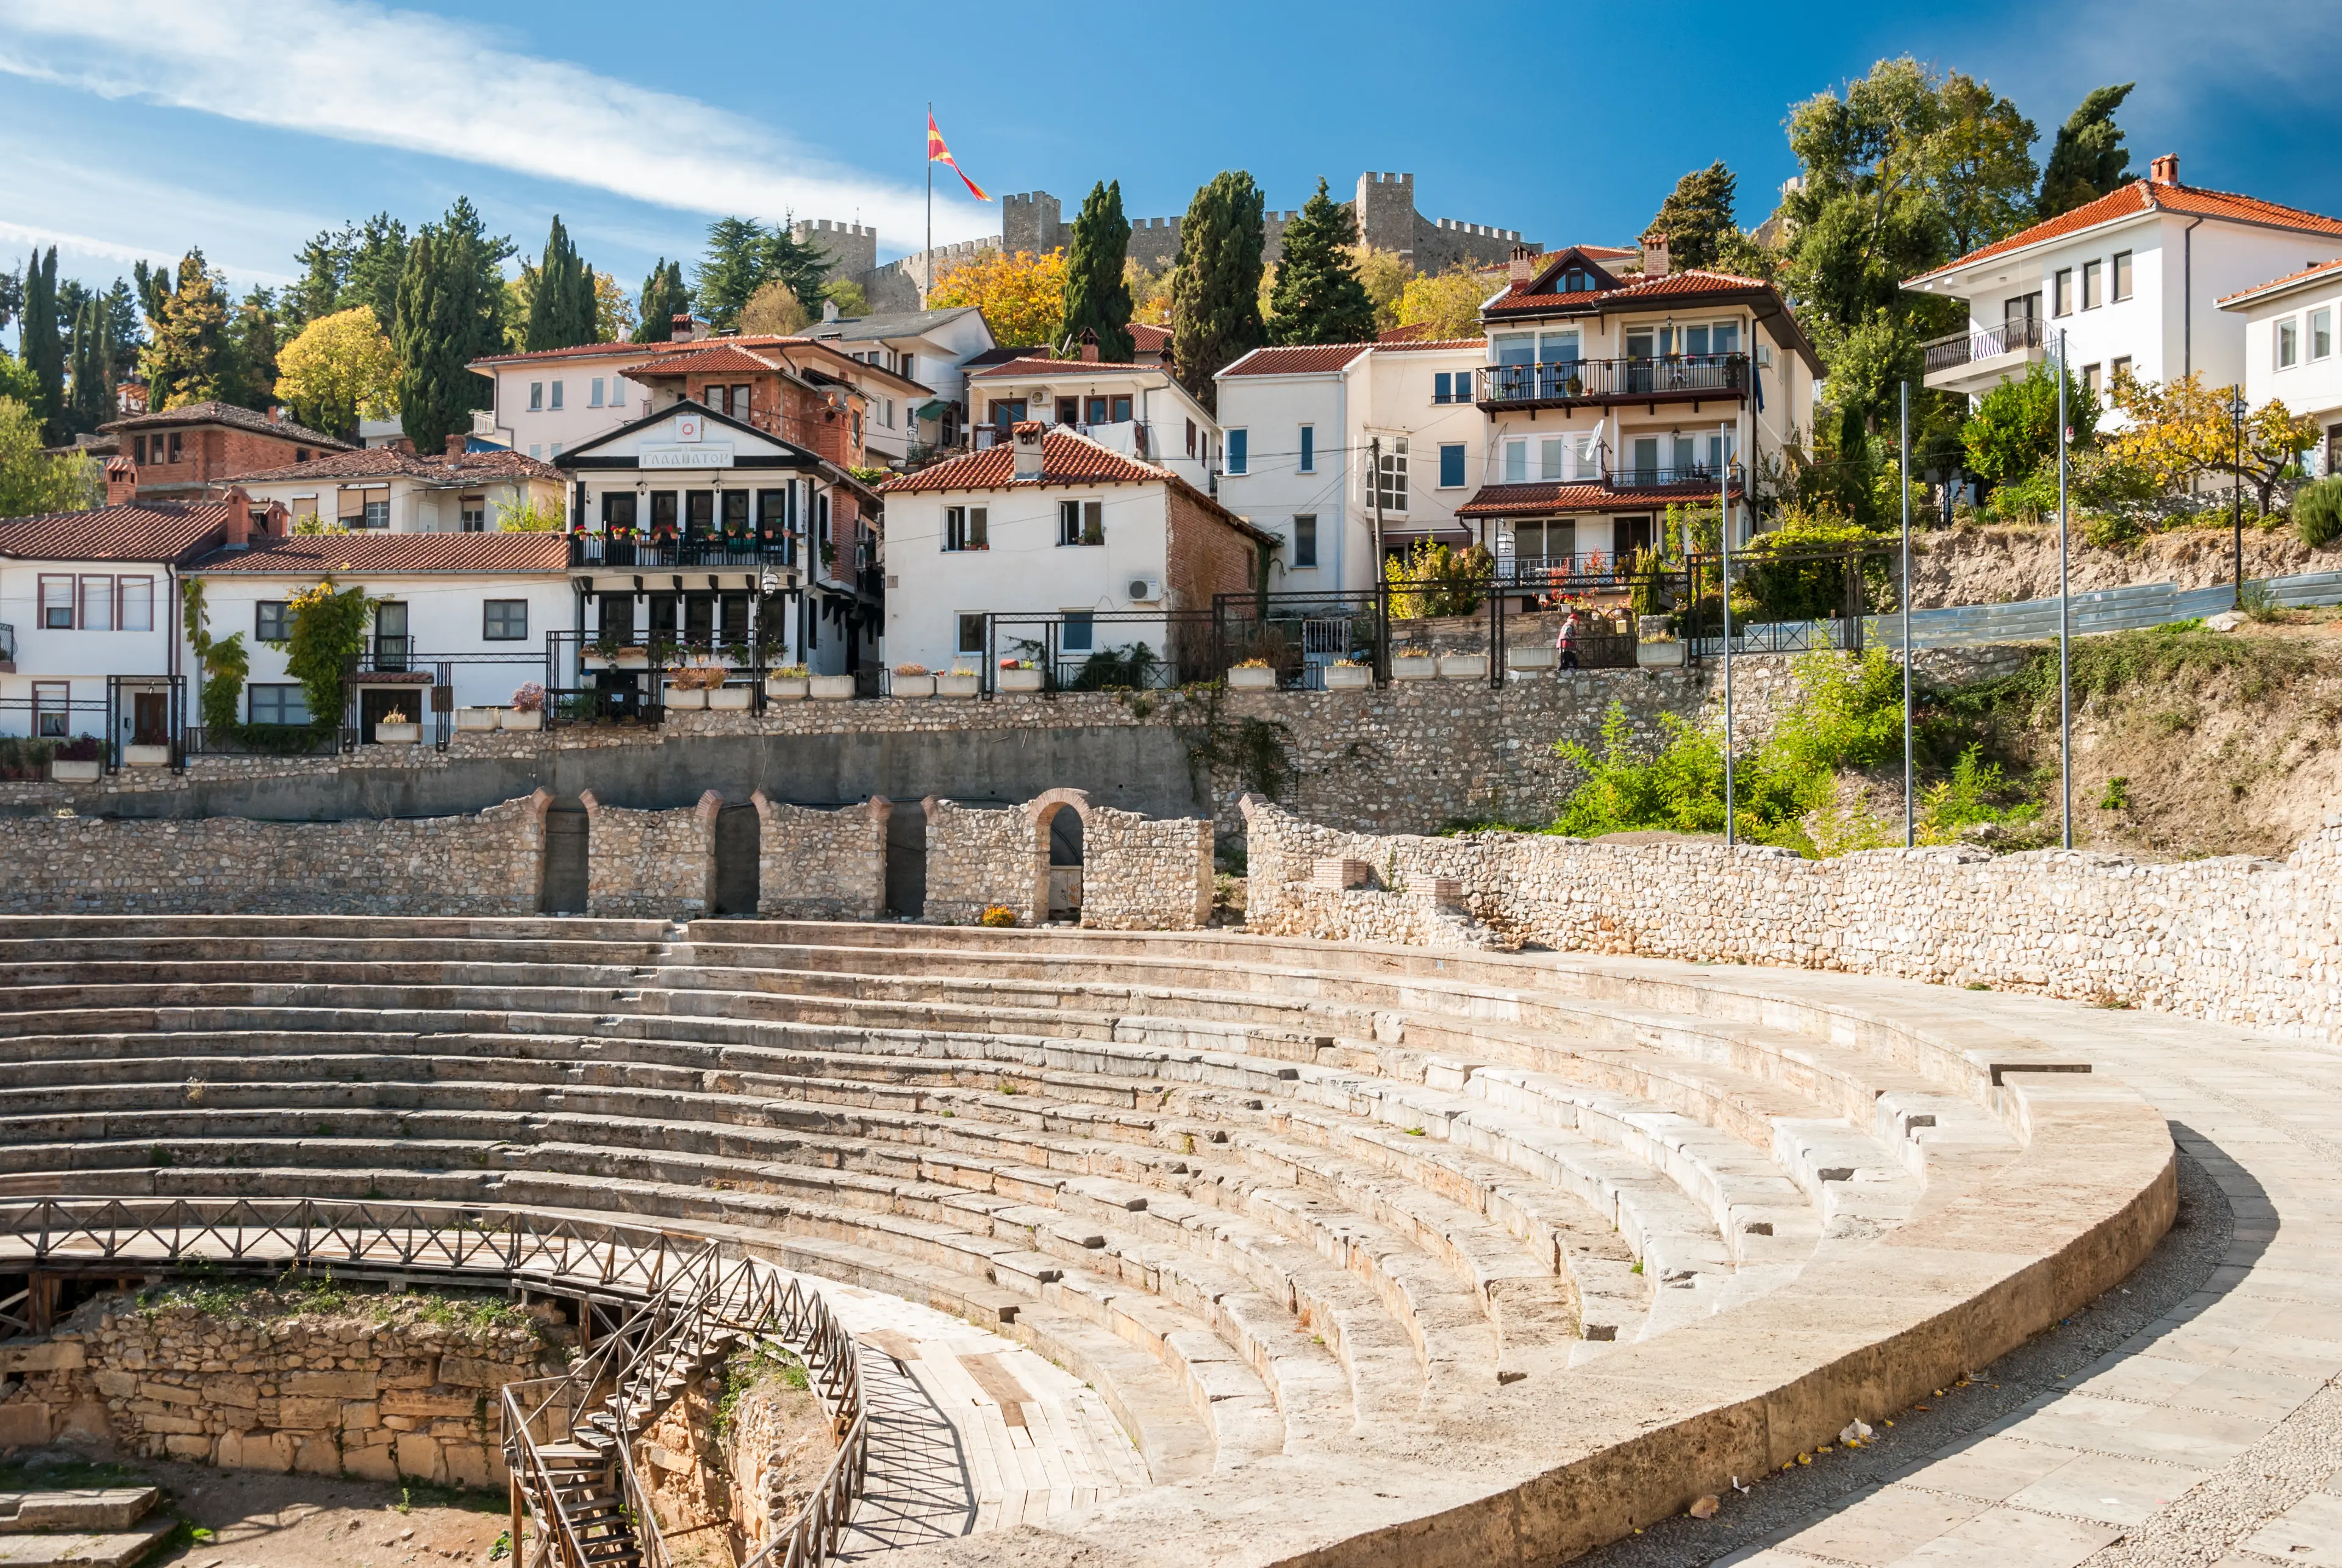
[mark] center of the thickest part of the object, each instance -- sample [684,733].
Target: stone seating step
[96,1509]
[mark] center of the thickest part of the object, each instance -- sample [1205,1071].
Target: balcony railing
[1961,348]
[1614,380]
[722,551]
[1701,479]
[8,645]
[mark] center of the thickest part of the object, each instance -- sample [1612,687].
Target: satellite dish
[770,583]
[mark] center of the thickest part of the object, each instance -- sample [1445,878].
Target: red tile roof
[2144,197]
[716,358]
[231,414]
[389,463]
[1297,359]
[642,350]
[1418,345]
[1042,364]
[1552,499]
[373,553]
[1676,287]
[142,531]
[2279,284]
[1148,338]
[1066,458]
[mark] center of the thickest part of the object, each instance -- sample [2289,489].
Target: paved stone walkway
[2190,1420]
[970,1432]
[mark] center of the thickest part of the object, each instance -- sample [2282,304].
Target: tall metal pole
[2237,491]
[1724,536]
[2065,627]
[927,257]
[1905,476]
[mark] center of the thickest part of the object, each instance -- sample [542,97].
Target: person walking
[1567,640]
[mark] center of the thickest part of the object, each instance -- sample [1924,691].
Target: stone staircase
[90,1527]
[1276,1200]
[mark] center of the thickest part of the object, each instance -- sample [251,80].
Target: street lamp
[2237,493]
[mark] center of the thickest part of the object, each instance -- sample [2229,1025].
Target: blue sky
[137,127]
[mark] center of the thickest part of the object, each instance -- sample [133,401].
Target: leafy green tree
[189,360]
[12,298]
[377,259]
[252,341]
[847,295]
[38,343]
[664,298]
[451,301]
[1098,296]
[561,307]
[1215,301]
[224,662]
[2015,428]
[325,626]
[743,256]
[93,361]
[1980,163]
[30,480]
[325,263]
[1318,296]
[1696,216]
[2088,159]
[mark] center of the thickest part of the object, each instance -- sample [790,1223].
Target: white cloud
[405,79]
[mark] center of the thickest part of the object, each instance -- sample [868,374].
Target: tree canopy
[1696,216]
[2015,427]
[1318,296]
[1445,303]
[560,302]
[188,359]
[1215,301]
[1097,292]
[451,298]
[743,256]
[2088,159]
[40,346]
[357,264]
[31,481]
[1022,297]
[664,298]
[340,370]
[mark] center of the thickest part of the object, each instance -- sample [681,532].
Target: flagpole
[927,257]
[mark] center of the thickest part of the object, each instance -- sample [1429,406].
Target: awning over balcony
[1573,498]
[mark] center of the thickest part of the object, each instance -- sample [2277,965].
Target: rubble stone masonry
[821,865]
[650,864]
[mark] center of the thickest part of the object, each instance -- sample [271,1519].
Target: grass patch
[219,1296]
[750,1368]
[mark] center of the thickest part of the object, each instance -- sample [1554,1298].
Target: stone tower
[1031,222]
[853,247]
[1385,209]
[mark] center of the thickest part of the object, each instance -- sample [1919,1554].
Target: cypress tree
[1216,303]
[2088,159]
[435,382]
[188,362]
[664,298]
[376,258]
[1317,298]
[1697,218]
[561,306]
[43,353]
[1096,299]
[92,366]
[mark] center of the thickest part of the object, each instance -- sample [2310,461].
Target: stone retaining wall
[1137,874]
[1141,873]
[978,857]
[375,1396]
[2245,942]
[490,863]
[821,865]
[650,864]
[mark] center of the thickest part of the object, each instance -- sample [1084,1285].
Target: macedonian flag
[939,153]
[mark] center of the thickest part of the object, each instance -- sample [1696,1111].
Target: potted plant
[1349,675]
[663,654]
[1020,676]
[395,729]
[1414,665]
[1253,675]
[527,710]
[687,689]
[78,761]
[912,681]
[1530,656]
[830,688]
[786,684]
[963,682]
[1454,666]
[729,699]
[631,658]
[1657,647]
[474,721]
[602,653]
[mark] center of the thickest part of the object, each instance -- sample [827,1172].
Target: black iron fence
[1599,380]
[740,552]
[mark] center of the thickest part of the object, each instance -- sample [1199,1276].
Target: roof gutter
[2187,298]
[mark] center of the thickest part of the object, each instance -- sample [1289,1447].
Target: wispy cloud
[408,80]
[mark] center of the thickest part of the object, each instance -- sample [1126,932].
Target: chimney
[1655,255]
[1090,345]
[405,444]
[1522,267]
[272,520]
[239,516]
[829,311]
[275,413]
[1027,453]
[458,443]
[684,329]
[2164,170]
[120,482]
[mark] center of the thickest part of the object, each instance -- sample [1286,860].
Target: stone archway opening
[1059,820]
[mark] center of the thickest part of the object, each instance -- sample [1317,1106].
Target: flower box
[1348,677]
[520,718]
[385,735]
[475,720]
[1659,656]
[594,660]
[729,699]
[688,698]
[785,688]
[831,688]
[1252,680]
[911,685]
[1423,667]
[1021,680]
[64,770]
[1531,658]
[634,658]
[958,685]
[1463,667]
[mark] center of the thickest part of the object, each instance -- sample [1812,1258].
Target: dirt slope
[1998,565]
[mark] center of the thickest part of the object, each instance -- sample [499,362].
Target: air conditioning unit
[1142,590]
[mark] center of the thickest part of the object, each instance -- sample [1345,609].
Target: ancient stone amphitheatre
[1371,1255]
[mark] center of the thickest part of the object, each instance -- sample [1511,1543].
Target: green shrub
[2318,513]
[2110,530]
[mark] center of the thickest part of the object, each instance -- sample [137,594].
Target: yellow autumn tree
[1022,297]
[1150,292]
[1386,275]
[2180,431]
[340,370]
[1447,304]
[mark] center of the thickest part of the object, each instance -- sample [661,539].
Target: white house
[1138,410]
[691,526]
[2289,351]
[468,610]
[1303,429]
[2135,279]
[1059,528]
[89,617]
[390,488]
[931,346]
[1611,396]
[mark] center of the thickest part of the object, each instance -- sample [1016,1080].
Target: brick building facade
[179,453]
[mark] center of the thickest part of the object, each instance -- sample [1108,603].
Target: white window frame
[966,529]
[536,398]
[2286,342]
[2123,277]
[556,405]
[2317,326]
[1516,456]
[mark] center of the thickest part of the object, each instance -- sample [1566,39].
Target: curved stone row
[1303,1214]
